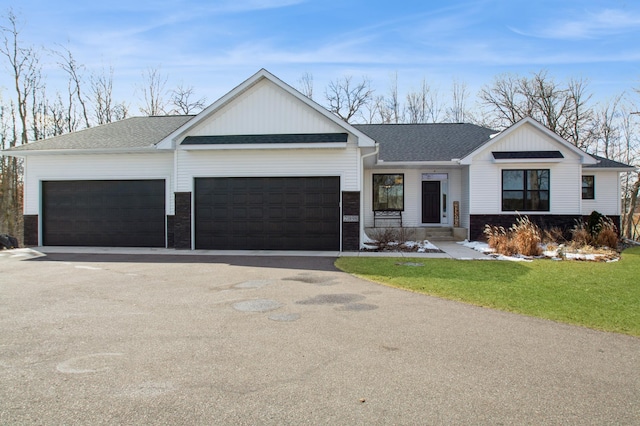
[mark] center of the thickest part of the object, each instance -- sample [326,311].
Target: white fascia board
[169,142]
[146,150]
[609,169]
[585,158]
[330,145]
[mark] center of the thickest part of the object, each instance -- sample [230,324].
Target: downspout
[362,192]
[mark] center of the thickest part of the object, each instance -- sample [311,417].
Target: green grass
[603,296]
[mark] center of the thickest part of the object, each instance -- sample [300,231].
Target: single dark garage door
[271,213]
[122,213]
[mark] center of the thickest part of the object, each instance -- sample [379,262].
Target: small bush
[594,223]
[405,234]
[384,236]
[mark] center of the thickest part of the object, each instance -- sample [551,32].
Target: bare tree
[347,99]
[73,70]
[24,66]
[630,227]
[458,109]
[153,92]
[606,130]
[305,84]
[105,108]
[181,99]
[564,109]
[393,102]
[102,96]
[419,104]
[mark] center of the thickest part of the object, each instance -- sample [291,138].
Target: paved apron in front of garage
[131,339]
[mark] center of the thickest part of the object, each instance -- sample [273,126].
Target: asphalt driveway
[160,339]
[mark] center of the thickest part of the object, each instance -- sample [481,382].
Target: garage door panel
[127,213]
[299,213]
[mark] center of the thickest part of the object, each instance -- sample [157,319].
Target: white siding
[412,215]
[264,163]
[525,138]
[485,175]
[95,167]
[607,193]
[265,109]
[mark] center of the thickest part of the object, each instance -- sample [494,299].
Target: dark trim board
[104,213]
[266,139]
[267,213]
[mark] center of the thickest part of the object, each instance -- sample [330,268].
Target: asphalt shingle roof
[605,163]
[426,142]
[134,132]
[398,142]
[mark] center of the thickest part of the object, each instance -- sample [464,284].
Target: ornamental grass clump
[527,237]
[598,231]
[498,239]
[580,235]
[523,237]
[607,234]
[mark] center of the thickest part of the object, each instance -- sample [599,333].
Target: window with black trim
[588,187]
[525,190]
[388,192]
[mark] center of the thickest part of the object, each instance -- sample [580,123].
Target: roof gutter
[27,152]
[382,163]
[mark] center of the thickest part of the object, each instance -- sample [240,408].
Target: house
[265,168]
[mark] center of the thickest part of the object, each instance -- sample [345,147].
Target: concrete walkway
[451,250]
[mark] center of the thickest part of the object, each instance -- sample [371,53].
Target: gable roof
[426,142]
[135,133]
[528,121]
[169,141]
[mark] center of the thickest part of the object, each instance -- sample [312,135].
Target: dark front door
[267,213]
[430,202]
[111,213]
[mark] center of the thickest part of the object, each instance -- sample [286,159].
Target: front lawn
[604,296]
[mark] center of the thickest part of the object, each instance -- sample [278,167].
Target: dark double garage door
[122,213]
[300,213]
[271,213]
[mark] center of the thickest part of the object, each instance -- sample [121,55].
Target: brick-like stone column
[30,228]
[182,221]
[351,221]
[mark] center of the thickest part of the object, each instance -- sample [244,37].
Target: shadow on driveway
[289,262]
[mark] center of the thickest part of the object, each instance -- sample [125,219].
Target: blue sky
[215,45]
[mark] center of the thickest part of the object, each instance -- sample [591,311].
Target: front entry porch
[431,233]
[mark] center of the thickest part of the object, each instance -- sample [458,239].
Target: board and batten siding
[95,167]
[412,214]
[485,175]
[265,109]
[607,193]
[269,163]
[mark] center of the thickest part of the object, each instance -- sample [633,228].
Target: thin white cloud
[590,26]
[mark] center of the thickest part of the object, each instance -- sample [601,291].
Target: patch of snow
[477,246]
[367,240]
